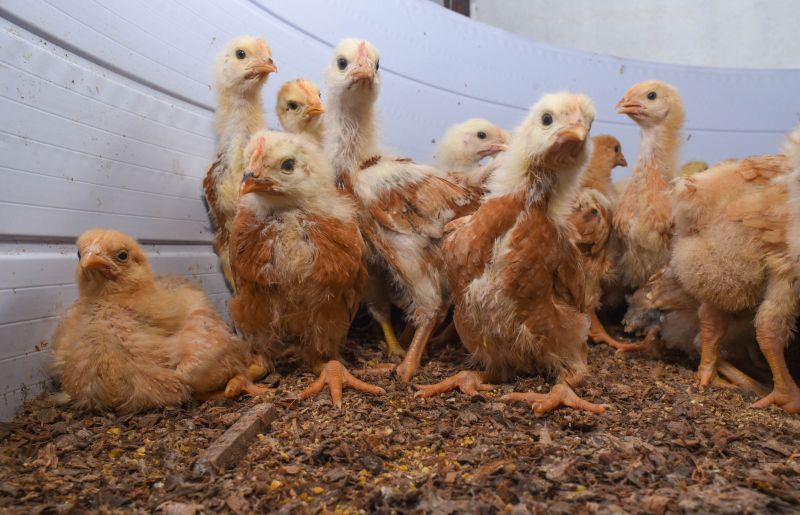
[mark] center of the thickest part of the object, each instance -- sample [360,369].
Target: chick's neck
[238,116]
[350,135]
[658,150]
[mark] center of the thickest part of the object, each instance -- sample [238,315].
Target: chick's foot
[560,395]
[786,398]
[468,382]
[239,384]
[336,376]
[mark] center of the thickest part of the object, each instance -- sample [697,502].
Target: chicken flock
[517,245]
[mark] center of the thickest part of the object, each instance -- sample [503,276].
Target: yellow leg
[393,346]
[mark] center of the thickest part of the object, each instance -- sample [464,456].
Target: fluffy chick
[643,216]
[731,253]
[515,273]
[606,155]
[297,257]
[133,341]
[240,71]
[462,148]
[403,206]
[300,109]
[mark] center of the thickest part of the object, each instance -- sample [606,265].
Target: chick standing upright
[606,155]
[297,259]
[515,273]
[133,341]
[643,216]
[403,207]
[732,254]
[300,109]
[240,71]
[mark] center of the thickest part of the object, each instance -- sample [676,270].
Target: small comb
[258,152]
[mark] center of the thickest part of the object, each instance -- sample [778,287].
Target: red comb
[260,142]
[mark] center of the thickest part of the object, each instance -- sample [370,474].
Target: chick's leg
[713,325]
[336,376]
[239,384]
[774,325]
[598,334]
[469,382]
[379,305]
[413,359]
[448,334]
[560,395]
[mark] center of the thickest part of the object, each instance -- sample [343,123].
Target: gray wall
[729,33]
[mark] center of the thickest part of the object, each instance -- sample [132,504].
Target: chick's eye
[341,63]
[122,255]
[616,148]
[377,65]
[652,95]
[287,165]
[240,54]
[594,212]
[481,135]
[79,254]
[547,119]
[292,105]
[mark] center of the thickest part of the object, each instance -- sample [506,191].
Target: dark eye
[652,95]
[377,65]
[341,63]
[594,212]
[481,135]
[122,255]
[547,119]
[287,165]
[240,54]
[616,148]
[292,105]
[79,254]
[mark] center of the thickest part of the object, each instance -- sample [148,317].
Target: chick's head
[110,262]
[471,141]
[611,149]
[285,170]
[243,66]
[651,103]
[353,75]
[299,105]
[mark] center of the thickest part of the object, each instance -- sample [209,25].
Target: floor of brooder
[663,445]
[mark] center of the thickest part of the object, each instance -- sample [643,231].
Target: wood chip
[229,448]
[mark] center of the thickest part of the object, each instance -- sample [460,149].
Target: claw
[239,384]
[469,382]
[336,376]
[559,395]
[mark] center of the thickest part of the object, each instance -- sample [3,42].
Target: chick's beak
[314,110]
[363,72]
[621,161]
[570,140]
[92,261]
[629,107]
[262,68]
[252,183]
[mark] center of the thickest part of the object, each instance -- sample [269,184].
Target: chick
[693,167]
[643,216]
[297,257]
[792,149]
[133,341]
[403,207]
[300,108]
[240,71]
[731,253]
[606,155]
[590,220]
[462,148]
[515,273]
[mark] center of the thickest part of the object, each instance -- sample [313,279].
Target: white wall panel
[106,119]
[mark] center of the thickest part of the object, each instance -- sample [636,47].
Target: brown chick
[515,273]
[606,155]
[643,216]
[300,109]
[297,257]
[240,71]
[133,341]
[731,253]
[590,219]
[403,206]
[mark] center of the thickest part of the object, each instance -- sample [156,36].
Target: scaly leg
[598,334]
[448,334]
[468,382]
[739,379]
[336,376]
[393,347]
[560,395]
[774,325]
[413,359]
[713,325]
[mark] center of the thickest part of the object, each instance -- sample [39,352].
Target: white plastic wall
[106,120]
